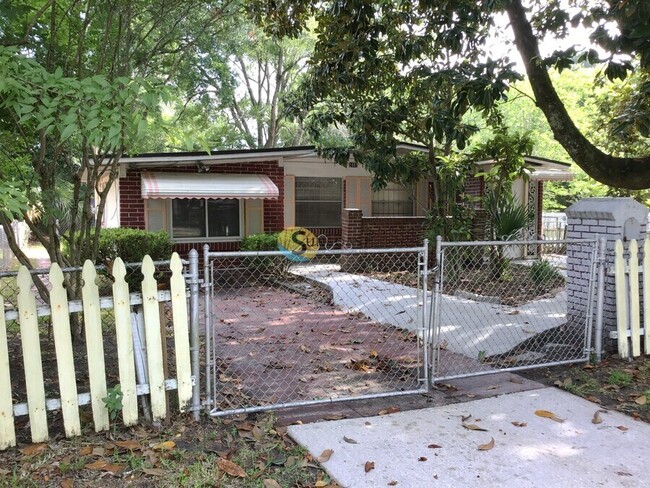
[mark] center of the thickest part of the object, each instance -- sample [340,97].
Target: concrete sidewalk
[541,453]
[468,327]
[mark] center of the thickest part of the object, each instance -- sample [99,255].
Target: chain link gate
[347,324]
[511,305]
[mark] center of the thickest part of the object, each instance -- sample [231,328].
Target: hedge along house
[221,197]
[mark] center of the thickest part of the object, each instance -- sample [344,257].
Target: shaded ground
[514,287]
[614,383]
[275,345]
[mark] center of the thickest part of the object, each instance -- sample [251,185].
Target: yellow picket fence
[27,315]
[629,302]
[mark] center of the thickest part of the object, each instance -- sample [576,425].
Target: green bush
[132,245]
[542,272]
[260,242]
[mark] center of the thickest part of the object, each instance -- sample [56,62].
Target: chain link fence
[498,308]
[345,324]
[9,290]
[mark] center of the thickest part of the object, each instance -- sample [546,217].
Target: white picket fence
[629,302]
[122,301]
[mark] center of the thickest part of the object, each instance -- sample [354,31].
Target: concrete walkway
[468,327]
[538,453]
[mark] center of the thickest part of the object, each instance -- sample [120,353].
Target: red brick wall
[475,186]
[132,212]
[376,232]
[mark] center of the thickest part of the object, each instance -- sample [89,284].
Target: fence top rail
[516,243]
[330,252]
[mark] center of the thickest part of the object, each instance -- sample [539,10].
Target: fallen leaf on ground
[4,472]
[422,458]
[164,446]
[464,418]
[133,445]
[325,456]
[33,449]
[434,446]
[67,483]
[642,400]
[85,451]
[336,416]
[473,427]
[623,473]
[100,465]
[349,440]
[389,410]
[548,415]
[369,466]
[271,483]
[622,427]
[597,419]
[486,447]
[154,471]
[519,424]
[231,468]
[392,483]
[592,399]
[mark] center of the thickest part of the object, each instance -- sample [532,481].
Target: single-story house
[220,197]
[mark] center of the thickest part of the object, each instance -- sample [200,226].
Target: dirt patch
[275,345]
[614,384]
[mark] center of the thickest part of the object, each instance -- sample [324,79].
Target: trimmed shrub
[132,245]
[543,273]
[260,242]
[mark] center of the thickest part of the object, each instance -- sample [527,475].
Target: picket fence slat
[64,354]
[7,430]
[621,299]
[31,346]
[94,346]
[124,305]
[635,316]
[154,342]
[181,332]
[123,331]
[646,295]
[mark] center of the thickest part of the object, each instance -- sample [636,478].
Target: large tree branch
[629,173]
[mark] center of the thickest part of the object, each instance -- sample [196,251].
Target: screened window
[392,201]
[204,219]
[318,202]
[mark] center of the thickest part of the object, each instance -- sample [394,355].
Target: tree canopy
[371,52]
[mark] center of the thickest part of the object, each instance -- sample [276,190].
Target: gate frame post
[601,263]
[195,343]
[425,314]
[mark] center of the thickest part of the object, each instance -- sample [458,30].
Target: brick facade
[361,232]
[132,205]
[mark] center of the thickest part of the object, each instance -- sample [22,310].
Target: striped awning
[207,185]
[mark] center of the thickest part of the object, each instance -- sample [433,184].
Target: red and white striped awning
[207,185]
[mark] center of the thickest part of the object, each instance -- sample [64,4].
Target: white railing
[629,302]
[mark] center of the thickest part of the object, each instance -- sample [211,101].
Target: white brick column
[591,218]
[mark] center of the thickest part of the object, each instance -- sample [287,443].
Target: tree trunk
[629,173]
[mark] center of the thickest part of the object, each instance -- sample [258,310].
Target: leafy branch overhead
[411,69]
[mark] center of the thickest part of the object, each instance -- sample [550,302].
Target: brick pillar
[591,218]
[351,237]
[351,228]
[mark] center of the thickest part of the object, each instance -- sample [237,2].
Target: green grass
[620,378]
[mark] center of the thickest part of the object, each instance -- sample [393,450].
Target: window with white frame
[393,201]
[194,218]
[318,201]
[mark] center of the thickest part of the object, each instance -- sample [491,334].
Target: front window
[392,201]
[205,219]
[318,202]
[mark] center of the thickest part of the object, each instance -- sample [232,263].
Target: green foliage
[542,272]
[260,242]
[620,378]
[506,217]
[113,402]
[13,201]
[132,245]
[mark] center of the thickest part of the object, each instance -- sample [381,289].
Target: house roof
[542,168]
